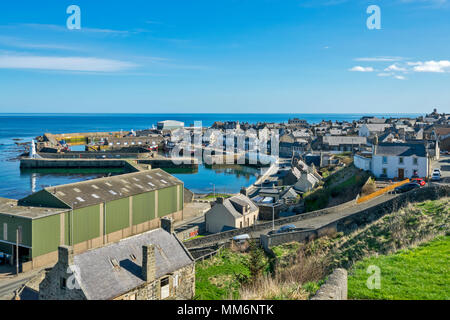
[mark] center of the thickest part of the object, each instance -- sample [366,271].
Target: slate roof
[92,192]
[401,149]
[98,278]
[228,207]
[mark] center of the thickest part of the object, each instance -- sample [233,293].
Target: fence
[381,191]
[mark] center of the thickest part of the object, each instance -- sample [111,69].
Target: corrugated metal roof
[92,192]
[100,280]
[11,207]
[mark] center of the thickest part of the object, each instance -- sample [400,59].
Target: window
[5,231]
[400,160]
[384,160]
[415,161]
[384,171]
[165,288]
[63,283]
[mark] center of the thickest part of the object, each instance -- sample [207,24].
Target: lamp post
[214,188]
[273,218]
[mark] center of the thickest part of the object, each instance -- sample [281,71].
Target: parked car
[436,176]
[241,238]
[407,187]
[437,171]
[419,181]
[288,228]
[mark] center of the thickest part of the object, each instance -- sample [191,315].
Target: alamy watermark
[74,20]
[374,21]
[229,146]
[374,280]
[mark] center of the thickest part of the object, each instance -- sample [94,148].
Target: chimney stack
[65,255]
[167,224]
[244,191]
[148,263]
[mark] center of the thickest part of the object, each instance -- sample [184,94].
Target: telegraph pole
[17,252]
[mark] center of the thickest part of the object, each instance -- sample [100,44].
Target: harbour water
[21,128]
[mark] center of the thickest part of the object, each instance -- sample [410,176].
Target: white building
[396,160]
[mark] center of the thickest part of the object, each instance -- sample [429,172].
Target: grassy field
[420,273]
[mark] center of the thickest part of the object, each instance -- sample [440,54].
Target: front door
[401,174]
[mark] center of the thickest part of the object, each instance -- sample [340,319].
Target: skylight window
[94,186]
[108,184]
[164,181]
[80,199]
[113,192]
[76,190]
[61,193]
[95,196]
[139,186]
[151,184]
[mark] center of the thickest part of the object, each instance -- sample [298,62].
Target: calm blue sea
[24,127]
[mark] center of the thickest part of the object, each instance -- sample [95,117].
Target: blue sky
[303,56]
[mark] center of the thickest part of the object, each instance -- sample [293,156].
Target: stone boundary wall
[335,288]
[352,222]
[224,236]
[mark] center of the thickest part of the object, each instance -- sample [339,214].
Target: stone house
[307,182]
[151,266]
[232,213]
[396,160]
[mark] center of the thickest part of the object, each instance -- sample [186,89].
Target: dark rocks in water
[17,139]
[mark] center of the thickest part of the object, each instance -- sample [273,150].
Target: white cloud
[361,69]
[395,67]
[379,59]
[399,77]
[83,64]
[432,66]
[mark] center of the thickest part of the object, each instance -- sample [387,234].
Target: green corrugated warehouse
[87,214]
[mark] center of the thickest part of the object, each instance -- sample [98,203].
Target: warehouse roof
[401,149]
[11,207]
[338,140]
[92,192]
[100,280]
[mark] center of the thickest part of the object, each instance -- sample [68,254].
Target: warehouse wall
[14,223]
[43,198]
[45,235]
[117,215]
[167,201]
[143,208]
[86,224]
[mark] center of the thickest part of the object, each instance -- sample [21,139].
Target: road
[316,222]
[444,165]
[9,285]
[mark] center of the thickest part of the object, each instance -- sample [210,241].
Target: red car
[419,181]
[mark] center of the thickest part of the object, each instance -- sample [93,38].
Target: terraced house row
[87,214]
